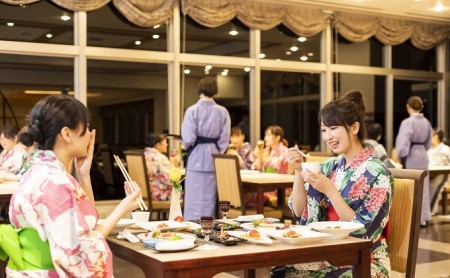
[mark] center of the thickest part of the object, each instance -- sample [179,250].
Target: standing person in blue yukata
[205,130]
[412,142]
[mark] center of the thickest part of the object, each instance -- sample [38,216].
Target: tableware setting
[337,229]
[224,207]
[249,218]
[120,225]
[207,224]
[163,226]
[252,237]
[297,235]
[261,226]
[172,236]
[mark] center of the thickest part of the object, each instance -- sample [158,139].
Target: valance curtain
[257,14]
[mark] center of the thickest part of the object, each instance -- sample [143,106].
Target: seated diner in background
[243,150]
[272,159]
[13,154]
[52,212]
[438,155]
[353,186]
[158,166]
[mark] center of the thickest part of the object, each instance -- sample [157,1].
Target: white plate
[143,236]
[337,229]
[123,223]
[262,226]
[262,240]
[171,225]
[306,236]
[249,218]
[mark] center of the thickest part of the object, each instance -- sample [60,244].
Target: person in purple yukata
[205,130]
[412,142]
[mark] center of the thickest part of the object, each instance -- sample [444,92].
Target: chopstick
[127,177]
[302,153]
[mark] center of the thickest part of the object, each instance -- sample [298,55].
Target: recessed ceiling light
[304,58]
[156,26]
[233,32]
[155,36]
[137,42]
[225,70]
[224,73]
[310,54]
[49,36]
[301,39]
[262,55]
[65,17]
[247,69]
[439,7]
[187,71]
[10,24]
[288,53]
[208,67]
[294,48]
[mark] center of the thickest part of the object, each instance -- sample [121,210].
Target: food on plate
[334,227]
[179,219]
[166,235]
[162,225]
[291,234]
[254,234]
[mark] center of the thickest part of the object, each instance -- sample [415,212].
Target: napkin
[251,217]
[174,245]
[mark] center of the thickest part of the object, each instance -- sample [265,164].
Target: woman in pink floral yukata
[53,216]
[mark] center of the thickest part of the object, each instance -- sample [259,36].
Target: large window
[406,56]
[367,53]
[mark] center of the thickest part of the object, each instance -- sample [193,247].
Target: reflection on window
[230,39]
[107,27]
[291,100]
[40,22]
[366,53]
[406,56]
[280,43]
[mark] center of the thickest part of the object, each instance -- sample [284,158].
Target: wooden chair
[229,187]
[108,172]
[137,169]
[405,219]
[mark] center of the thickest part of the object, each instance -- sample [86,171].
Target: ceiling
[109,81]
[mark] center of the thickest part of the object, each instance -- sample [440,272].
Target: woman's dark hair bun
[355,96]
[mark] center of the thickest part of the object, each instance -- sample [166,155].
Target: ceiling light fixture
[233,32]
[137,42]
[439,7]
[65,17]
[294,48]
[310,54]
[10,24]
[224,73]
[304,58]
[155,36]
[262,55]
[156,26]
[208,67]
[247,69]
[49,36]
[301,39]
[288,53]
[187,71]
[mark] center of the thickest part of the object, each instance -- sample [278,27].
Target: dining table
[243,256]
[7,188]
[266,182]
[435,171]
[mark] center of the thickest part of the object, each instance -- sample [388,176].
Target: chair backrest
[108,166]
[228,178]
[138,172]
[405,219]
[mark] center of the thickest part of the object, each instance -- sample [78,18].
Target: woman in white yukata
[205,130]
[412,142]
[54,231]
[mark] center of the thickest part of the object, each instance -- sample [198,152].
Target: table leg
[249,273]
[444,202]
[260,201]
[362,270]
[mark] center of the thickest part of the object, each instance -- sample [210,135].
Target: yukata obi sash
[333,216]
[25,249]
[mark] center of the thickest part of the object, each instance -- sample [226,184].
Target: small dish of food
[337,229]
[297,235]
[252,236]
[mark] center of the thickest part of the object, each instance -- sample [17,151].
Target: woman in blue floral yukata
[353,186]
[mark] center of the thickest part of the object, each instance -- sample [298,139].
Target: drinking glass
[207,224]
[224,207]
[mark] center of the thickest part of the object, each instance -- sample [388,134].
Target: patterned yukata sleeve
[246,152]
[375,187]
[69,218]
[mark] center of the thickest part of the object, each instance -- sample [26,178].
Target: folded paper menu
[249,218]
[175,245]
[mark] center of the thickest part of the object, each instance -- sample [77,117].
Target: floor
[433,260]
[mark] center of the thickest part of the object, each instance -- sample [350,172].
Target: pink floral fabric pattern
[52,202]
[13,159]
[158,166]
[275,158]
